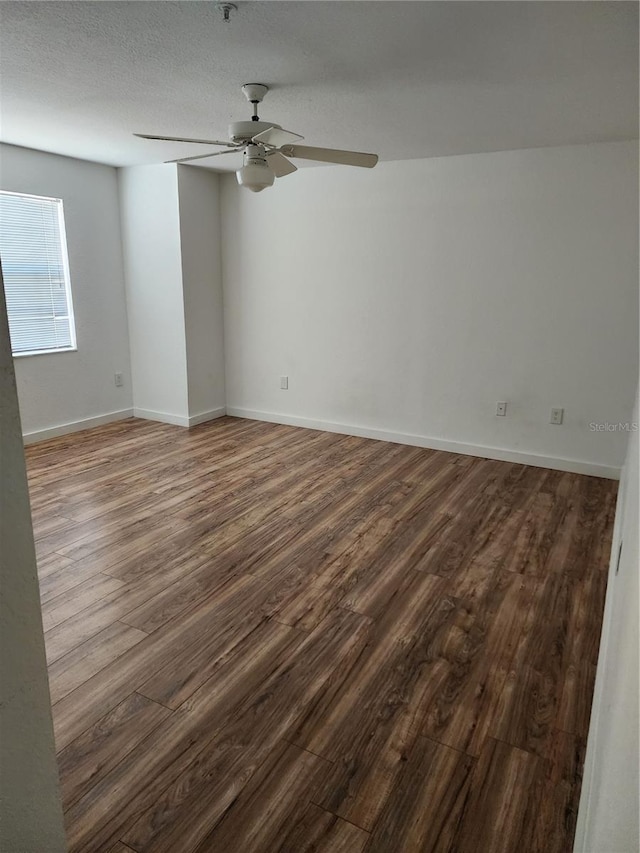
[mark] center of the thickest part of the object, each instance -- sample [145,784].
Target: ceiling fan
[266,147]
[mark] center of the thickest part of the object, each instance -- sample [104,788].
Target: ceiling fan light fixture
[267,147]
[255,175]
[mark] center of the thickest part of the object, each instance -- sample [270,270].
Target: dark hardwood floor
[263,638]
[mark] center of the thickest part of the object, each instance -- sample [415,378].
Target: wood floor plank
[173,789]
[108,551]
[44,525]
[279,791]
[170,601]
[486,635]
[591,545]
[328,585]
[547,686]
[90,657]
[69,574]
[82,626]
[553,808]
[536,535]
[51,564]
[235,614]
[141,767]
[239,523]
[433,773]
[389,564]
[321,730]
[574,705]
[111,607]
[92,755]
[394,679]
[99,694]
[240,674]
[125,600]
[316,830]
[243,745]
[264,638]
[61,607]
[236,486]
[465,538]
[356,548]
[494,812]
[73,531]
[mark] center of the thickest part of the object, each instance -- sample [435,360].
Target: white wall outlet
[556,416]
[284,383]
[501,409]
[118,379]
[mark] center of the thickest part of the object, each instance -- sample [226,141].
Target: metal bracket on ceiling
[227,9]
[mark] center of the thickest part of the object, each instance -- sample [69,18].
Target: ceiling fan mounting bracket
[226,9]
[254,92]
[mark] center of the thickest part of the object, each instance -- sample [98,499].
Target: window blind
[36,274]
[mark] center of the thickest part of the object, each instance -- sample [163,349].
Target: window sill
[44,352]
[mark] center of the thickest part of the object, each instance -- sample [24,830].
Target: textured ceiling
[401,79]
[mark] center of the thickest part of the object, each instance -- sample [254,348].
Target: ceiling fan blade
[276,136]
[280,166]
[330,155]
[184,139]
[203,156]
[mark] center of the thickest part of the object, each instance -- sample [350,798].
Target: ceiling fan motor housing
[243,131]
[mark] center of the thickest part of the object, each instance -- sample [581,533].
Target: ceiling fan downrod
[254,93]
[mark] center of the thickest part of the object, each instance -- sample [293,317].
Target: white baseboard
[163,417]
[179,420]
[220,412]
[575,466]
[75,426]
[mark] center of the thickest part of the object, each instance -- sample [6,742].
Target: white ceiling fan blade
[330,155]
[280,166]
[184,139]
[276,136]
[203,156]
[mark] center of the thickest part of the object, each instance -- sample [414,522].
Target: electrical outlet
[119,381]
[556,416]
[284,383]
[501,409]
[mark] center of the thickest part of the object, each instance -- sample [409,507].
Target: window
[35,268]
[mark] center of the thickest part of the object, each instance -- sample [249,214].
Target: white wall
[171,245]
[198,194]
[29,794]
[63,388]
[410,298]
[608,816]
[153,272]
